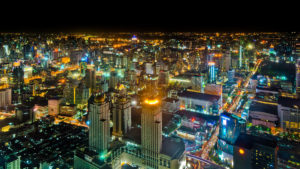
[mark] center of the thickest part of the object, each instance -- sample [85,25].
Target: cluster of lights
[151,102]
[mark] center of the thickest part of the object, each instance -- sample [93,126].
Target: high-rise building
[121,109]
[231,75]
[255,152]
[151,122]
[211,72]
[90,79]
[298,77]
[99,117]
[5,97]
[230,128]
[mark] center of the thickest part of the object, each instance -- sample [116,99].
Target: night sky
[151,17]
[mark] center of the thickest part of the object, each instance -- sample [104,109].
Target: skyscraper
[99,117]
[298,77]
[151,129]
[121,113]
[211,72]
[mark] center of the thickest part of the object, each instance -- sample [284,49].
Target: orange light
[211,63]
[241,151]
[151,102]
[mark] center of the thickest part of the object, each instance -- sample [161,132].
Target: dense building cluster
[150,100]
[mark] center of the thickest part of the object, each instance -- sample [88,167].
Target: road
[204,153]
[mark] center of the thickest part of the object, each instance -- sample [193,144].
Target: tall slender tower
[298,78]
[121,113]
[151,130]
[99,117]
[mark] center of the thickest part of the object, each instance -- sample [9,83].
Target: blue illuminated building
[230,128]
[211,72]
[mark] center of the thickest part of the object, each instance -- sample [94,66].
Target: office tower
[298,78]
[230,128]
[90,79]
[255,152]
[18,79]
[121,113]
[226,61]
[151,121]
[99,117]
[231,75]
[114,80]
[53,106]
[5,97]
[211,72]
[240,56]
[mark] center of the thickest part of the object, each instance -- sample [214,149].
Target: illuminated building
[121,109]
[198,83]
[99,129]
[199,102]
[18,79]
[231,75]
[230,128]
[53,106]
[298,77]
[263,113]
[255,152]
[289,115]
[114,79]
[149,68]
[90,79]
[211,72]
[88,159]
[151,128]
[154,151]
[5,97]
[241,56]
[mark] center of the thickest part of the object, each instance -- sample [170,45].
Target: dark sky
[153,16]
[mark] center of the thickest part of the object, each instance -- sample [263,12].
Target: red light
[193,119]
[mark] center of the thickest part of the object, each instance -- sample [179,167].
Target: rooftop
[248,141]
[199,96]
[288,102]
[261,107]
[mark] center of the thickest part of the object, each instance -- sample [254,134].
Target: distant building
[298,76]
[231,75]
[5,97]
[54,106]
